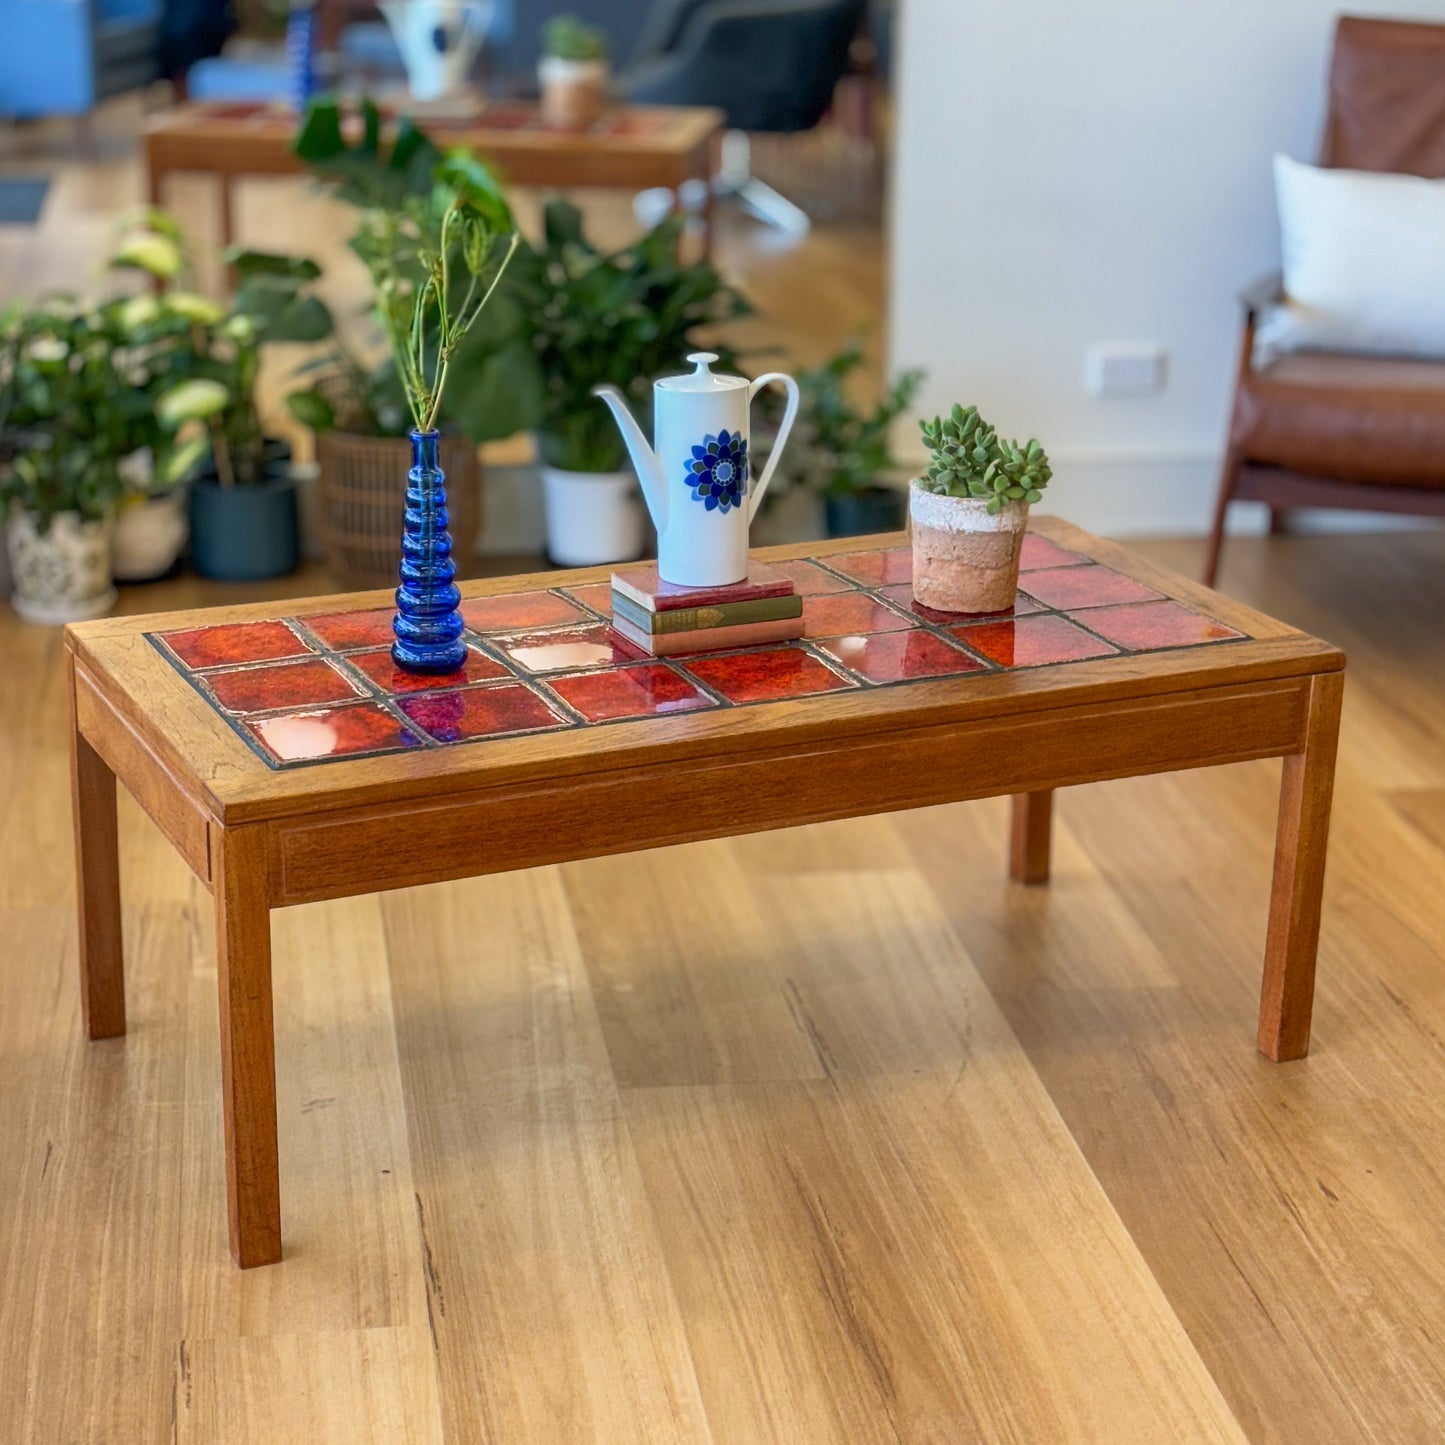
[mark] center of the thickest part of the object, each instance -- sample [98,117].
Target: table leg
[97,878]
[228,212]
[1287,997]
[709,215]
[248,1062]
[1029,836]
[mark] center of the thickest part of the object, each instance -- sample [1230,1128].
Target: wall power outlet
[1125,369]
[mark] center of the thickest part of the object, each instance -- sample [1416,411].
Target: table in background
[632,148]
[287,761]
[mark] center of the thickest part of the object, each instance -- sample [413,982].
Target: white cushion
[1364,263]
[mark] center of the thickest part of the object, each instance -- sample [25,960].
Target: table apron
[396,845]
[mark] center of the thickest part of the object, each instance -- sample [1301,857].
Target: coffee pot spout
[644,459]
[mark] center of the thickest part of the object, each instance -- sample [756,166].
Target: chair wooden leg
[248,1061]
[97,881]
[1029,837]
[1287,997]
[1229,475]
[1278,521]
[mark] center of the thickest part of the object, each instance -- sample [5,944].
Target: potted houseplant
[969,512]
[60,436]
[590,318]
[204,363]
[573,73]
[844,449]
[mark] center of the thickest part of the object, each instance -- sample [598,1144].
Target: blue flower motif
[718,471]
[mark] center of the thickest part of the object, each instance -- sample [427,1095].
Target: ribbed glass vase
[427,625]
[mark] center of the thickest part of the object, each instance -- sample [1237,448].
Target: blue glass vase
[427,625]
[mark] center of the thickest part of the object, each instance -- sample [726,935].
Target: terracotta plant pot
[965,560]
[574,92]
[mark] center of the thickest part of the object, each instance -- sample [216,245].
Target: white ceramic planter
[965,560]
[573,92]
[592,517]
[63,573]
[149,535]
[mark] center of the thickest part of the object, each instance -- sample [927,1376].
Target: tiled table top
[306,690]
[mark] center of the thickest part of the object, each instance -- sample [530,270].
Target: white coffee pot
[438,40]
[698,483]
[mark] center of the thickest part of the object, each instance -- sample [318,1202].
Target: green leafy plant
[580,317]
[969,459]
[199,360]
[565,37]
[843,449]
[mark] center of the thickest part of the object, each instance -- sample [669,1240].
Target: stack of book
[666,620]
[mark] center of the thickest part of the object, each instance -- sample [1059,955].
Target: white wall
[1069,173]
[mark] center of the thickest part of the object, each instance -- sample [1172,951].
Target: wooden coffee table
[287,761]
[631,148]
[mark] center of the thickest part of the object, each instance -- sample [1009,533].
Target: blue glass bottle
[427,625]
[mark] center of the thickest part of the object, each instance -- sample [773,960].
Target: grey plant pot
[245,533]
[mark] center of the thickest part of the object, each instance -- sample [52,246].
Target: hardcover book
[693,619]
[642,586]
[709,639]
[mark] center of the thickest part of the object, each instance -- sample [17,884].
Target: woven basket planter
[362,493]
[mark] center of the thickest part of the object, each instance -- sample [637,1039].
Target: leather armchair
[1316,429]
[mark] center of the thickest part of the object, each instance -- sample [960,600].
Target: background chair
[60,57]
[1362,432]
[769,65]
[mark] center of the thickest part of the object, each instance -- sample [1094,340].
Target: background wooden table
[633,148]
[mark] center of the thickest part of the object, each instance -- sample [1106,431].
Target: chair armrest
[1262,294]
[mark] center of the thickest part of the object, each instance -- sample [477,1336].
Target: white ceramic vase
[438,40]
[593,518]
[149,534]
[61,574]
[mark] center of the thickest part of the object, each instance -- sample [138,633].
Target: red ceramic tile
[1040,552]
[379,667]
[766,675]
[645,689]
[850,612]
[309,683]
[901,593]
[336,732]
[1031,641]
[596,595]
[875,568]
[566,648]
[343,630]
[900,656]
[479,712]
[1157,624]
[233,642]
[810,579]
[520,609]
[1075,587]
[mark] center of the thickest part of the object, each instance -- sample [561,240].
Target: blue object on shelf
[301,54]
[427,624]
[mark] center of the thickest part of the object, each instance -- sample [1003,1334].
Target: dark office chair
[769,65]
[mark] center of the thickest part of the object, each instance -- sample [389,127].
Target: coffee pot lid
[701,379]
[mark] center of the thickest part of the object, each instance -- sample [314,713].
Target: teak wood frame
[261,839]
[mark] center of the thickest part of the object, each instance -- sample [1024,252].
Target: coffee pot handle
[790,415]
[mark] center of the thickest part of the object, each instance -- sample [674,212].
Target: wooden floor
[829,1135]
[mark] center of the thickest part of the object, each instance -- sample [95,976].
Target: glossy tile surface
[596,595]
[479,712]
[566,648]
[338,732]
[1031,641]
[875,569]
[810,579]
[345,630]
[233,642]
[886,657]
[849,612]
[765,675]
[308,683]
[1075,587]
[518,610]
[1149,625]
[390,678]
[644,689]
[901,594]
[1040,552]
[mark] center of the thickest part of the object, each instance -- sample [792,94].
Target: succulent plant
[969,459]
[565,37]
